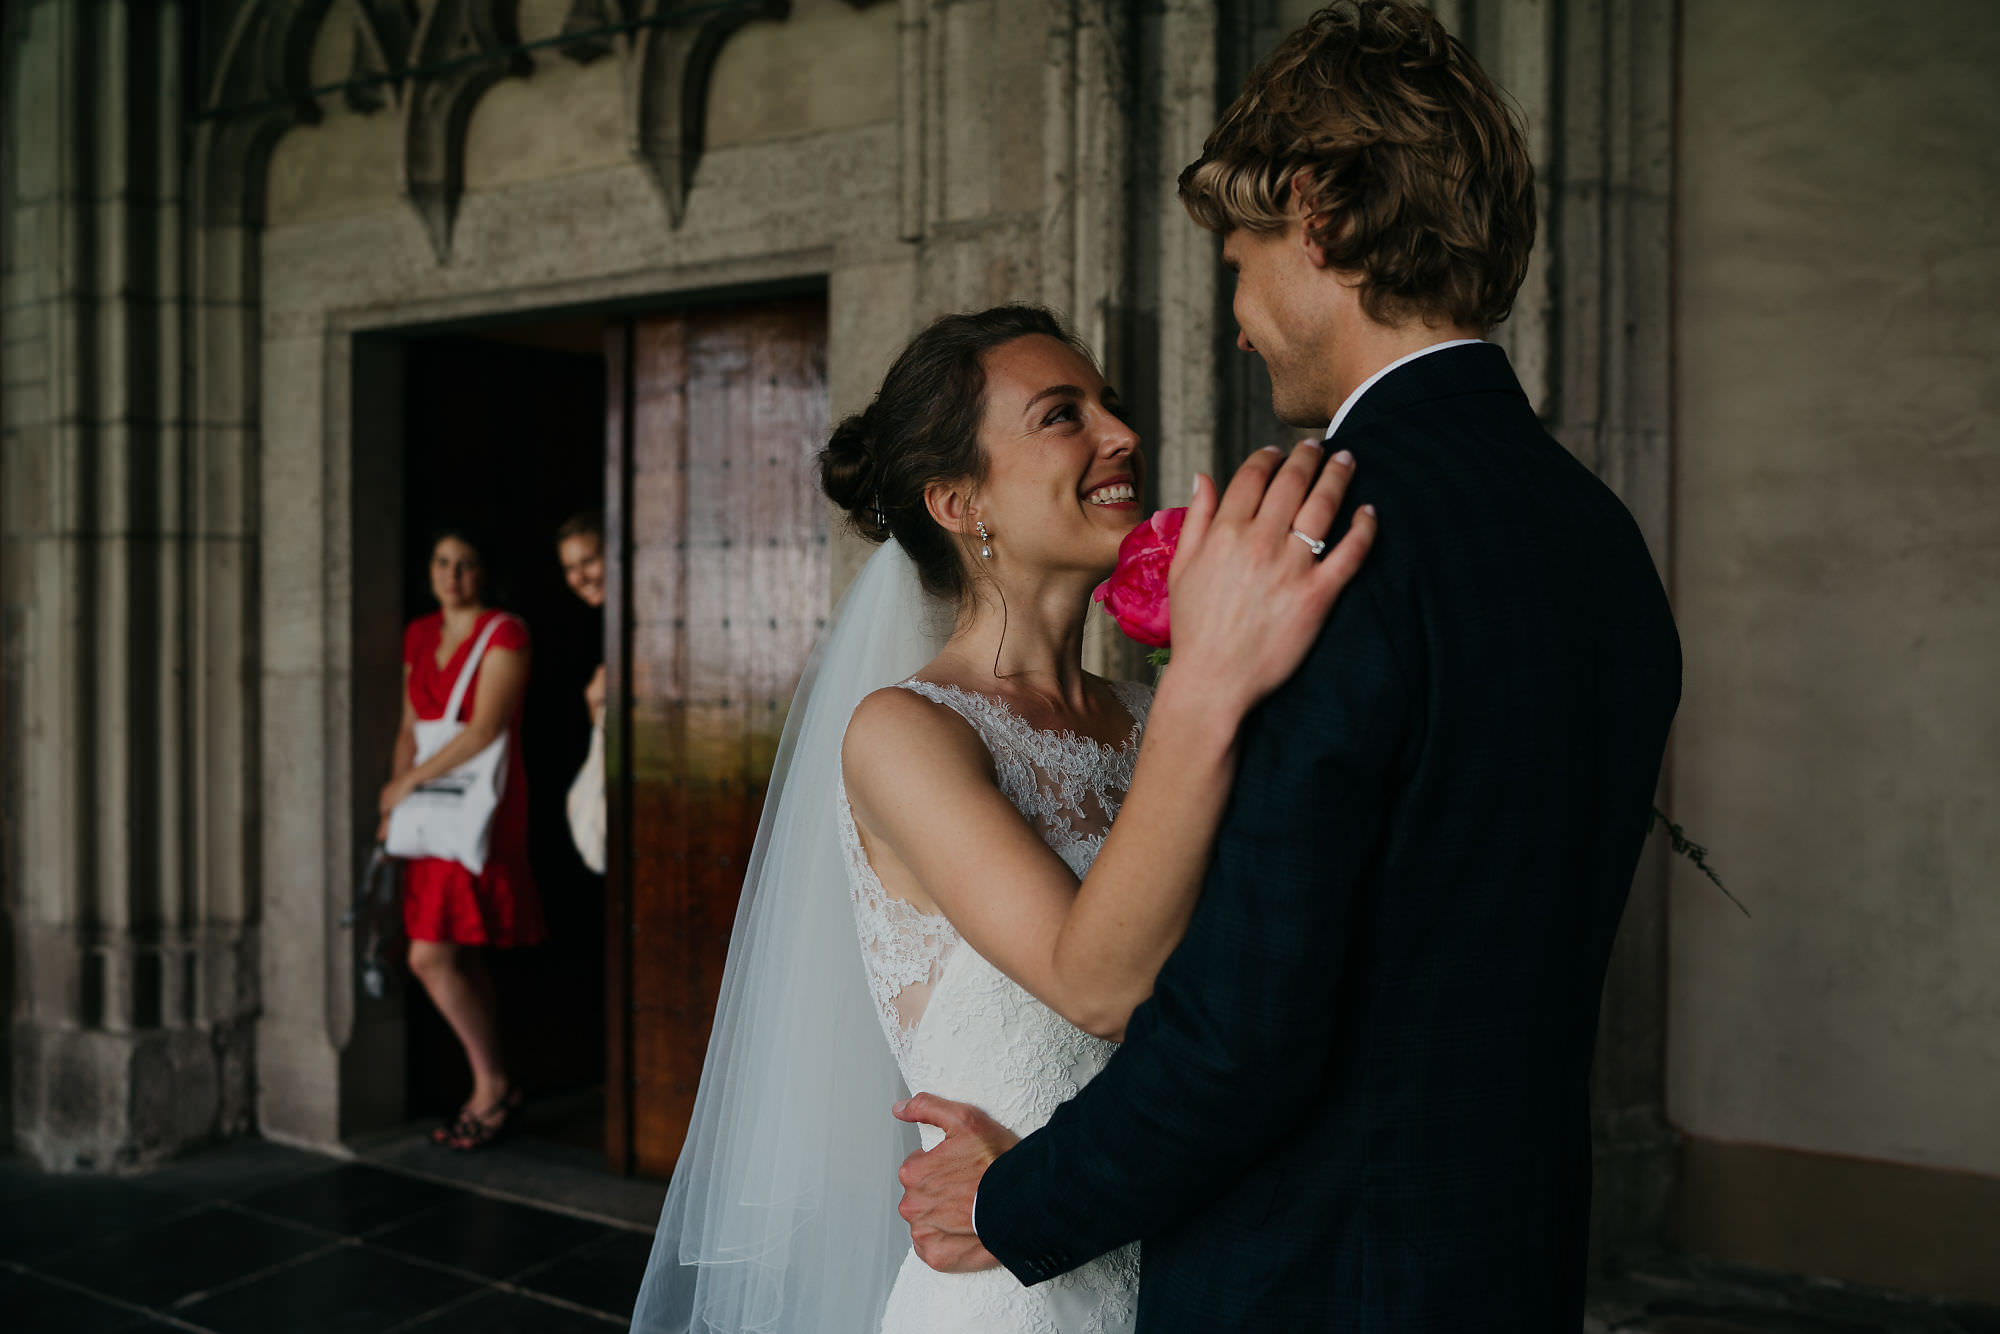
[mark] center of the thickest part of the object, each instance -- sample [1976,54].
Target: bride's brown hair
[923,428]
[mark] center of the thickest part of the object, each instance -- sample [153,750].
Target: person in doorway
[449,912]
[580,548]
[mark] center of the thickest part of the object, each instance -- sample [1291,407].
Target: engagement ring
[1317,545]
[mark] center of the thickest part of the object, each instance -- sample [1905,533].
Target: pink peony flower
[1136,592]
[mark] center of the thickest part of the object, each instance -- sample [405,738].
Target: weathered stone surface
[1668,1296]
[130,1028]
[89,1098]
[1835,566]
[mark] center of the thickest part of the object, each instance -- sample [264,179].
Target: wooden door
[717,589]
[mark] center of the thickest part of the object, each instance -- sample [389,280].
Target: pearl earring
[985,540]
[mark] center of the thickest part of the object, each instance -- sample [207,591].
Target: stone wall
[802,205]
[1837,579]
[126,660]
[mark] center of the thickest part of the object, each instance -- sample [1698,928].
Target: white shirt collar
[1369,383]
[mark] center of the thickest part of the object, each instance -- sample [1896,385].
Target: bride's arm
[939,829]
[941,833]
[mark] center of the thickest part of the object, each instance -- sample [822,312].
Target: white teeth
[1115,494]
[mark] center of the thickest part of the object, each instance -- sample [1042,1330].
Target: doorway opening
[503,433]
[694,431]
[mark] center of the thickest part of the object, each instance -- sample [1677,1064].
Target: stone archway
[147,654]
[328,1064]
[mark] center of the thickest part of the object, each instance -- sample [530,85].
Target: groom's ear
[1302,209]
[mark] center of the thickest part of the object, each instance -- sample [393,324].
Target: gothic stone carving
[433,69]
[585,19]
[264,71]
[383,33]
[666,90]
[466,46]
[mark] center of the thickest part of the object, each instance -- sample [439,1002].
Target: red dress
[441,899]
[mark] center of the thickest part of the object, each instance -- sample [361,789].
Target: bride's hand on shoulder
[1248,595]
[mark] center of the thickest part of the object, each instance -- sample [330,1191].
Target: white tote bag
[451,815]
[586,802]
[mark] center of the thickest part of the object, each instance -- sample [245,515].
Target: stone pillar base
[1634,1159]
[90,1100]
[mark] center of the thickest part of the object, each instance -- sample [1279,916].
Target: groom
[1358,1098]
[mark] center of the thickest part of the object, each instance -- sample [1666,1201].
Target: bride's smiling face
[1064,475]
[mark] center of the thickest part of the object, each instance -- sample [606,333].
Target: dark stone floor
[257,1239]
[1681,1296]
[253,1238]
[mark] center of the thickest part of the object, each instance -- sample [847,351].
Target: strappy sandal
[478,1130]
[456,1128]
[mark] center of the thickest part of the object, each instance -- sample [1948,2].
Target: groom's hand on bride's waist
[940,1184]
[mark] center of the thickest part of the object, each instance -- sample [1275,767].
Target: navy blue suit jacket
[1358,1098]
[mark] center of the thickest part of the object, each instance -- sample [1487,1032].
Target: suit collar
[1472,368]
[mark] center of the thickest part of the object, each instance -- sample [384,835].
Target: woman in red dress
[447,910]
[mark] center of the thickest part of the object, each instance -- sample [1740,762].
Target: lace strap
[989,718]
[1004,730]
[1136,696]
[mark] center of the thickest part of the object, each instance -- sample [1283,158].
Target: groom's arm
[1223,1058]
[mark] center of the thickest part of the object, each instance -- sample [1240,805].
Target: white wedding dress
[961,1029]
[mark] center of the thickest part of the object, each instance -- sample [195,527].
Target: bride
[938,863]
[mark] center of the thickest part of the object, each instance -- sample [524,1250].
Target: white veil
[781,1218]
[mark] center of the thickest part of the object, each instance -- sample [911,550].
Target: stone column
[1181,289]
[134,944]
[1016,167]
[1608,364]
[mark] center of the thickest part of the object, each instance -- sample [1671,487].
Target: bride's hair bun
[847,475]
[923,429]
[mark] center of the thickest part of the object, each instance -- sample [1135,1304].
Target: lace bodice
[963,1030]
[1067,786]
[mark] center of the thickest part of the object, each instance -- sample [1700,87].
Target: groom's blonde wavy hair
[1416,173]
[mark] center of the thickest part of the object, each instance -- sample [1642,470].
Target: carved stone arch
[585,17]
[667,70]
[262,88]
[469,45]
[384,31]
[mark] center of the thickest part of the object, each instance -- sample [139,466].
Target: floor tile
[77,1211]
[510,1313]
[350,1290]
[34,1306]
[604,1277]
[187,1257]
[487,1236]
[350,1199]
[20,1178]
[238,1168]
[531,1170]
[1667,1294]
